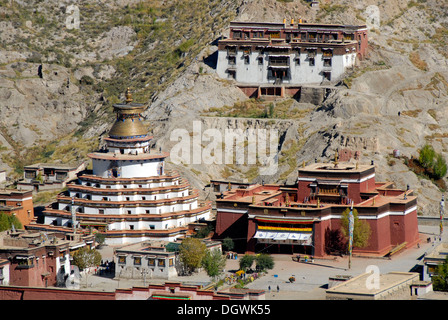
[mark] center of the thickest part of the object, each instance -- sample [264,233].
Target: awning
[282,235]
[279,67]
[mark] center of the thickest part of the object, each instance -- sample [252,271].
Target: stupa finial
[128,95]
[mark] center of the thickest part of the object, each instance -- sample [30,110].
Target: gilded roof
[128,123]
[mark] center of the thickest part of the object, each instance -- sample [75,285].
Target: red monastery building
[300,218]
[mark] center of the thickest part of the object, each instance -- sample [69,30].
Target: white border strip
[231,210]
[382,215]
[342,180]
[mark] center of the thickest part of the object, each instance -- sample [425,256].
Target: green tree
[439,167]
[7,221]
[100,239]
[426,156]
[440,279]
[191,253]
[361,229]
[264,262]
[213,263]
[246,261]
[86,258]
[228,244]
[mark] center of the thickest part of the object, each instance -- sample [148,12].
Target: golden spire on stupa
[128,96]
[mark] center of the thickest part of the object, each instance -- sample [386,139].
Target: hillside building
[272,58]
[49,176]
[301,218]
[129,195]
[18,203]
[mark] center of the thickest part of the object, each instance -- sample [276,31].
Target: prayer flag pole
[351,223]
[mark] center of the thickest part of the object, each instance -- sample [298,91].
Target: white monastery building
[289,53]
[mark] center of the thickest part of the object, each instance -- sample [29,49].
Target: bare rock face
[33,94]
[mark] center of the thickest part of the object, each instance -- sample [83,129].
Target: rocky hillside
[394,100]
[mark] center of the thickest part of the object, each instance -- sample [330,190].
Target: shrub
[264,262]
[426,157]
[439,168]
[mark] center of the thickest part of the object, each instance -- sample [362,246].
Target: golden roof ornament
[128,96]
[336,158]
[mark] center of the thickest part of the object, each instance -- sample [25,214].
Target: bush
[246,262]
[264,262]
[439,168]
[426,157]
[433,162]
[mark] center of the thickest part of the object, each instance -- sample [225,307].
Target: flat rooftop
[342,167]
[359,285]
[439,253]
[56,166]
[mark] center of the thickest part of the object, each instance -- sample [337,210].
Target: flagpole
[351,223]
[442,210]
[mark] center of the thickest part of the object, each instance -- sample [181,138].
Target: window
[131,227]
[232,74]
[236,34]
[152,227]
[101,211]
[232,60]
[231,50]
[122,259]
[312,62]
[160,262]
[137,261]
[246,59]
[258,34]
[151,262]
[171,262]
[327,62]
[260,61]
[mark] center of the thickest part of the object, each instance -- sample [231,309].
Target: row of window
[305,36]
[137,261]
[280,61]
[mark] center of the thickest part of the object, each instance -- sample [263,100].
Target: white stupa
[129,196]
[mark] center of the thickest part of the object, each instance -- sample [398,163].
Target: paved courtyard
[311,278]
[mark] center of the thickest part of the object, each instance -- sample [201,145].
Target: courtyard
[311,277]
